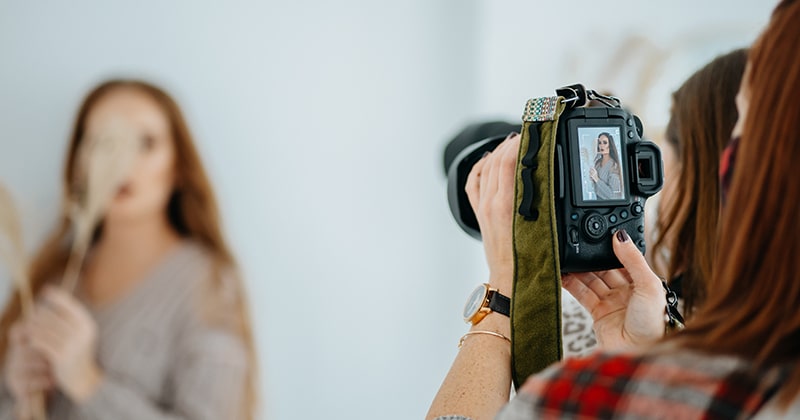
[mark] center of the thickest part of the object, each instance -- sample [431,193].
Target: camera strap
[536,304]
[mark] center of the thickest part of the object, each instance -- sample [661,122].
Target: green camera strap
[536,302]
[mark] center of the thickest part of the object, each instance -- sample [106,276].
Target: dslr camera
[603,173]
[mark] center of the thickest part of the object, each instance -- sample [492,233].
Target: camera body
[603,173]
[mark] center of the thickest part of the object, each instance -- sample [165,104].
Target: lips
[124,191]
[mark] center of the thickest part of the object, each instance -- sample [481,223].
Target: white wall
[322,124]
[528,49]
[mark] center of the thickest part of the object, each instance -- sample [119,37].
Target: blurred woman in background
[159,326]
[702,118]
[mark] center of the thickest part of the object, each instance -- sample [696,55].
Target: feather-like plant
[12,249]
[12,254]
[104,161]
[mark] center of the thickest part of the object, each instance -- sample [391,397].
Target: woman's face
[602,145]
[742,103]
[669,157]
[146,191]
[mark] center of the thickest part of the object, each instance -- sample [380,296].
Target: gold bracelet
[464,337]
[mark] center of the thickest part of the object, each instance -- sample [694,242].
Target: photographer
[735,358]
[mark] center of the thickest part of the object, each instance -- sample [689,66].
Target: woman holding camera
[606,175]
[158,328]
[735,358]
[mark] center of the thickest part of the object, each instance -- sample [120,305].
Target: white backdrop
[322,124]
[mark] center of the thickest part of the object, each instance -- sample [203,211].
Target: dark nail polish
[512,134]
[622,236]
[485,154]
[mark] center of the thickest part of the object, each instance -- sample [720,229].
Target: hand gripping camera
[602,174]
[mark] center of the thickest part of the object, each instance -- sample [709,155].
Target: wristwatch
[483,301]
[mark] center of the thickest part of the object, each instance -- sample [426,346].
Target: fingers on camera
[509,164]
[633,260]
[580,291]
[493,173]
[473,180]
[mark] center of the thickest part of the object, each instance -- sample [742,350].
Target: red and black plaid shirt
[680,385]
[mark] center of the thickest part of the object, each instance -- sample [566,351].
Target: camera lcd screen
[602,174]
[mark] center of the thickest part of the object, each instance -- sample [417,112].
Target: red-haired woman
[158,328]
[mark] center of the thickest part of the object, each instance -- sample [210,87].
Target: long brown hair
[752,310]
[192,212]
[612,151]
[702,118]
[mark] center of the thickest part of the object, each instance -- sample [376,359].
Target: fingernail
[512,134]
[487,153]
[622,236]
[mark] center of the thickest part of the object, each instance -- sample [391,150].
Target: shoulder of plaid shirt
[664,383]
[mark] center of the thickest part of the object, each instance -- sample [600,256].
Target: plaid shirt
[677,385]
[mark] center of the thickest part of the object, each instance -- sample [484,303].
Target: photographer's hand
[627,304]
[490,189]
[478,383]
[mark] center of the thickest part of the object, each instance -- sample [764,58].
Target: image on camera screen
[601,164]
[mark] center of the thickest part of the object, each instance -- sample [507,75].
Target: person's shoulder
[188,273]
[579,387]
[604,383]
[208,286]
[665,366]
[193,265]
[596,367]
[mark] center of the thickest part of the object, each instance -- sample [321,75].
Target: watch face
[475,302]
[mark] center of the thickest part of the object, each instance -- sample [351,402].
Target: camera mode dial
[595,226]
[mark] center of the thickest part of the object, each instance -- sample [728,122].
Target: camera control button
[574,216]
[629,121]
[573,235]
[623,214]
[630,134]
[637,209]
[640,243]
[595,226]
[640,229]
[612,218]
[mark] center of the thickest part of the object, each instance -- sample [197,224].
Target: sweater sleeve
[6,403]
[208,382]
[610,187]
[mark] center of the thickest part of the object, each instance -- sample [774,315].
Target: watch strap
[499,303]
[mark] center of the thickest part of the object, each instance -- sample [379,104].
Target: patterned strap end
[540,109]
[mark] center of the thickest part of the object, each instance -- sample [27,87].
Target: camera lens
[460,155]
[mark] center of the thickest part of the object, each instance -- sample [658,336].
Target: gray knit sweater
[162,360]
[609,185]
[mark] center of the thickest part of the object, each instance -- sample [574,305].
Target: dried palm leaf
[105,160]
[12,249]
[12,253]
